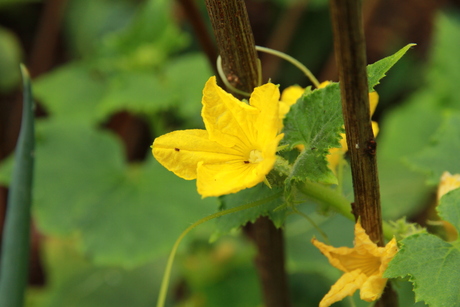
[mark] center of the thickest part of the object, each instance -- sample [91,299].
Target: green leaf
[73,281]
[444,68]
[135,91]
[442,154]
[404,132]
[187,75]
[273,199]
[16,238]
[377,71]
[431,263]
[449,209]
[121,215]
[71,92]
[146,42]
[315,122]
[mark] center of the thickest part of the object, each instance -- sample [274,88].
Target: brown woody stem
[236,46]
[235,42]
[351,60]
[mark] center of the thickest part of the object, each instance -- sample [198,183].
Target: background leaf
[441,155]
[97,197]
[431,262]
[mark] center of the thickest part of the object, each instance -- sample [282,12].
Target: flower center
[255,156]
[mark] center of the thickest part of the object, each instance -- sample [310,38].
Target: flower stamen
[255,156]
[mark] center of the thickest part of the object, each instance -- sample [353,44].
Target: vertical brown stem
[351,60]
[235,43]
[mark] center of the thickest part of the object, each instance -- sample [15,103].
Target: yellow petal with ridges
[181,151]
[268,124]
[363,267]
[215,179]
[228,120]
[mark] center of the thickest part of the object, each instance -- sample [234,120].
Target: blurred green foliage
[109,224]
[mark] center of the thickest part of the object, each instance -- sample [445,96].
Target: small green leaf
[273,197]
[442,154]
[315,122]
[431,263]
[377,71]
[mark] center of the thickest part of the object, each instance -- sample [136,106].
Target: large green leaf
[72,281]
[405,131]
[71,92]
[431,263]
[314,122]
[444,68]
[442,154]
[122,215]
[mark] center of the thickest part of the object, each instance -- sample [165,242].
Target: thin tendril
[167,274]
[280,54]
[224,79]
[322,233]
[295,62]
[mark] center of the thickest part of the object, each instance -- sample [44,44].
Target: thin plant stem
[291,60]
[279,54]
[326,196]
[167,274]
[305,216]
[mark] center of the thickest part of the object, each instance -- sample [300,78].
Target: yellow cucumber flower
[238,147]
[364,265]
[448,183]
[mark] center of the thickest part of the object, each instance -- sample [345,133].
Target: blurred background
[111,75]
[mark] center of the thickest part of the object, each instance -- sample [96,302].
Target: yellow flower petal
[181,151]
[238,147]
[363,265]
[373,101]
[345,286]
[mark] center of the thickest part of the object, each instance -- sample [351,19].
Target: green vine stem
[326,196]
[167,274]
[279,54]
